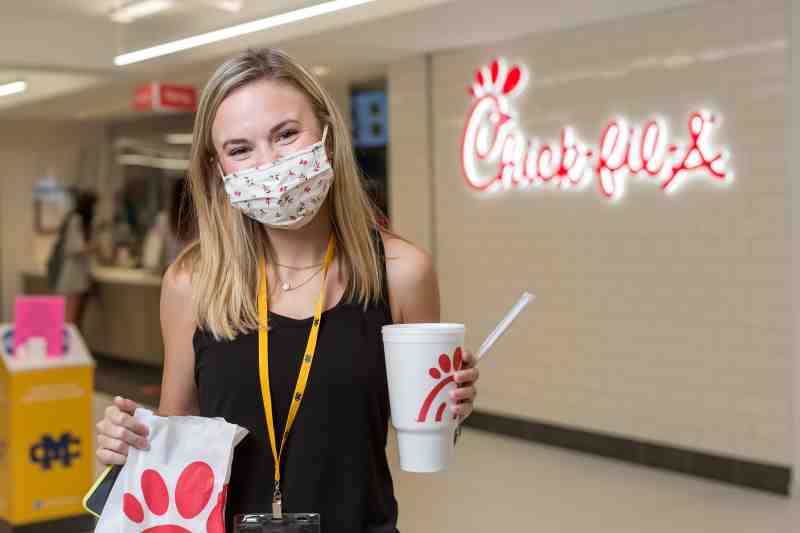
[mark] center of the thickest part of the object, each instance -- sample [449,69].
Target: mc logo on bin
[49,450]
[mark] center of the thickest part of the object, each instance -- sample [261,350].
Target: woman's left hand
[463,398]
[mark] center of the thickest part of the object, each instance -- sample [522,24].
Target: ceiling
[64,49]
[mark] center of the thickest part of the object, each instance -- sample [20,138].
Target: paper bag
[180,484]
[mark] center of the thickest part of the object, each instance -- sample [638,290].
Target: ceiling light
[231,6]
[138,9]
[179,138]
[236,31]
[320,70]
[13,88]
[164,163]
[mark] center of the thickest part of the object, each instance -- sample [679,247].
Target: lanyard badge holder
[278,521]
[287,523]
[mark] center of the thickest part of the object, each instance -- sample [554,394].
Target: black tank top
[334,462]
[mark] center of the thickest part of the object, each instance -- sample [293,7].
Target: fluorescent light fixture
[138,9]
[163,163]
[236,31]
[231,6]
[15,87]
[179,138]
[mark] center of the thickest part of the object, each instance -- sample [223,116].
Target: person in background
[171,231]
[74,280]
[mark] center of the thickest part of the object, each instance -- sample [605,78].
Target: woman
[75,276]
[266,201]
[171,231]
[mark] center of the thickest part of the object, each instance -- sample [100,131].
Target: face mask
[286,193]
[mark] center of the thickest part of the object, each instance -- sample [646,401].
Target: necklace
[290,267]
[287,286]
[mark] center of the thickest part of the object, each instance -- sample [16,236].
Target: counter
[122,315]
[129,276]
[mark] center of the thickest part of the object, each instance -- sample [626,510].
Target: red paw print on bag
[193,493]
[445,377]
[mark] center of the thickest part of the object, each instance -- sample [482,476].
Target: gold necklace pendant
[287,286]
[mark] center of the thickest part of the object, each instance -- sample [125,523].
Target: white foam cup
[420,363]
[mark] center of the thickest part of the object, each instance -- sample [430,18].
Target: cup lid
[423,329]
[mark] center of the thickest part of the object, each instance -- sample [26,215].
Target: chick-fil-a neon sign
[496,155]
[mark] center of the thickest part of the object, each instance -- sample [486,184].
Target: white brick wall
[793,199]
[661,317]
[410,151]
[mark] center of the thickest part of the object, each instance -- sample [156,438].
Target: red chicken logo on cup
[444,375]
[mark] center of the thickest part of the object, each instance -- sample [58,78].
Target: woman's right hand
[118,431]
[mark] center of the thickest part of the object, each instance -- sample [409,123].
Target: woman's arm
[414,297]
[119,430]
[178,390]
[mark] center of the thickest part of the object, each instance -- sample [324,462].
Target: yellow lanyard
[305,367]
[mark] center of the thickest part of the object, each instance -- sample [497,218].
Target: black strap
[378,242]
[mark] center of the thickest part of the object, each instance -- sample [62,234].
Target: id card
[288,523]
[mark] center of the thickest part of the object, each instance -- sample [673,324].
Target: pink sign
[497,155]
[40,316]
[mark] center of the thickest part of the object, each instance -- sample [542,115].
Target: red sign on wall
[497,155]
[165,97]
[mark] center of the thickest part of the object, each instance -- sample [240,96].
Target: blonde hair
[224,260]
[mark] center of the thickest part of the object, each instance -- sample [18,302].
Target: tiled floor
[499,484]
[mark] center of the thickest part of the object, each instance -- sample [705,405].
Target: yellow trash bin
[46,445]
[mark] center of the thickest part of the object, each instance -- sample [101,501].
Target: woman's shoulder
[411,278]
[177,315]
[177,281]
[404,259]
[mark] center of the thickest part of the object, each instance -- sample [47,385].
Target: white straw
[504,324]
